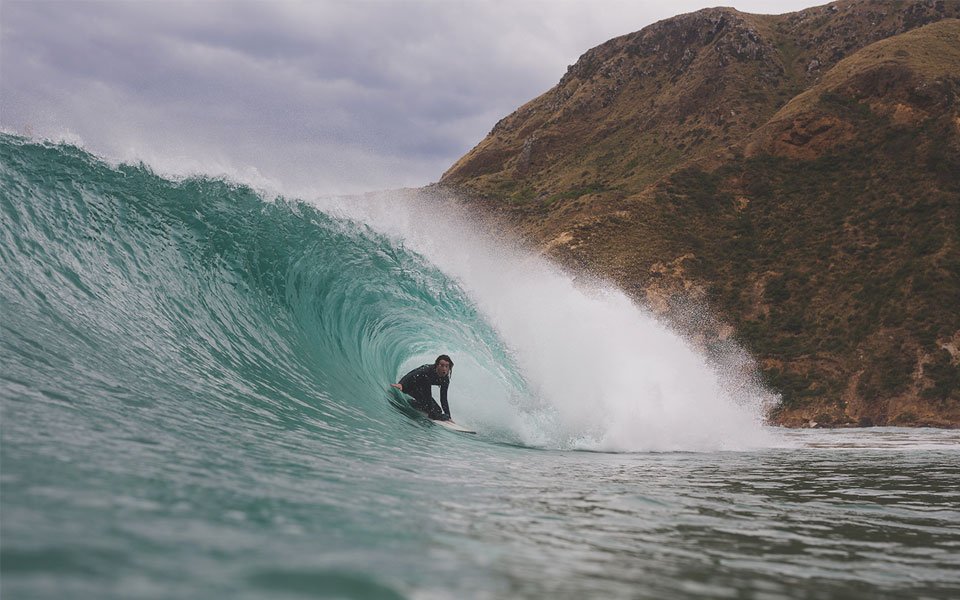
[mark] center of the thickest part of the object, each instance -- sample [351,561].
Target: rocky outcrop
[797,173]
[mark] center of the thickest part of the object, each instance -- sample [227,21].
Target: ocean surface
[194,393]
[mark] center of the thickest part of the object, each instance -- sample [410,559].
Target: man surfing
[417,383]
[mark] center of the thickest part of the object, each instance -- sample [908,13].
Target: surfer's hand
[397,386]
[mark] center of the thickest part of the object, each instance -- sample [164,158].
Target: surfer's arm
[443,398]
[397,386]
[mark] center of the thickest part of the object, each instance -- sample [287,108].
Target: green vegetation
[945,376]
[593,188]
[852,244]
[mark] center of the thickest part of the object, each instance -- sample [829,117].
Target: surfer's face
[443,368]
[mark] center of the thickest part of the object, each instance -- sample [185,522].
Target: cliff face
[797,173]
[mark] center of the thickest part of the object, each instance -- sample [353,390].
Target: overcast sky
[322,97]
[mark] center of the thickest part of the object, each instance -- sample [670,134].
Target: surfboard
[453,426]
[402,402]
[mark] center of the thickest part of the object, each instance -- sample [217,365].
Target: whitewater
[195,404]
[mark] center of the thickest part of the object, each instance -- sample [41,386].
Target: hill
[798,173]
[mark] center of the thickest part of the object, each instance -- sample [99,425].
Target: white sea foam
[601,372]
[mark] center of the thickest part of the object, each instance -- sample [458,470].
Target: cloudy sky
[322,97]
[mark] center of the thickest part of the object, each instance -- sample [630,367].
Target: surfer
[417,383]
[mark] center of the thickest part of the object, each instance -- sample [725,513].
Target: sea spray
[598,371]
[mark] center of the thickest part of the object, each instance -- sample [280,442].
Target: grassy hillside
[800,180]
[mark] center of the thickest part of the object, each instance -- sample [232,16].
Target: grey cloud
[347,95]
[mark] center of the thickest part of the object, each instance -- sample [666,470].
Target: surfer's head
[443,365]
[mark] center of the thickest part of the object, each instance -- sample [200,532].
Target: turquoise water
[194,405]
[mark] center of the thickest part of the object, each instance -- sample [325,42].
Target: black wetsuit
[417,383]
